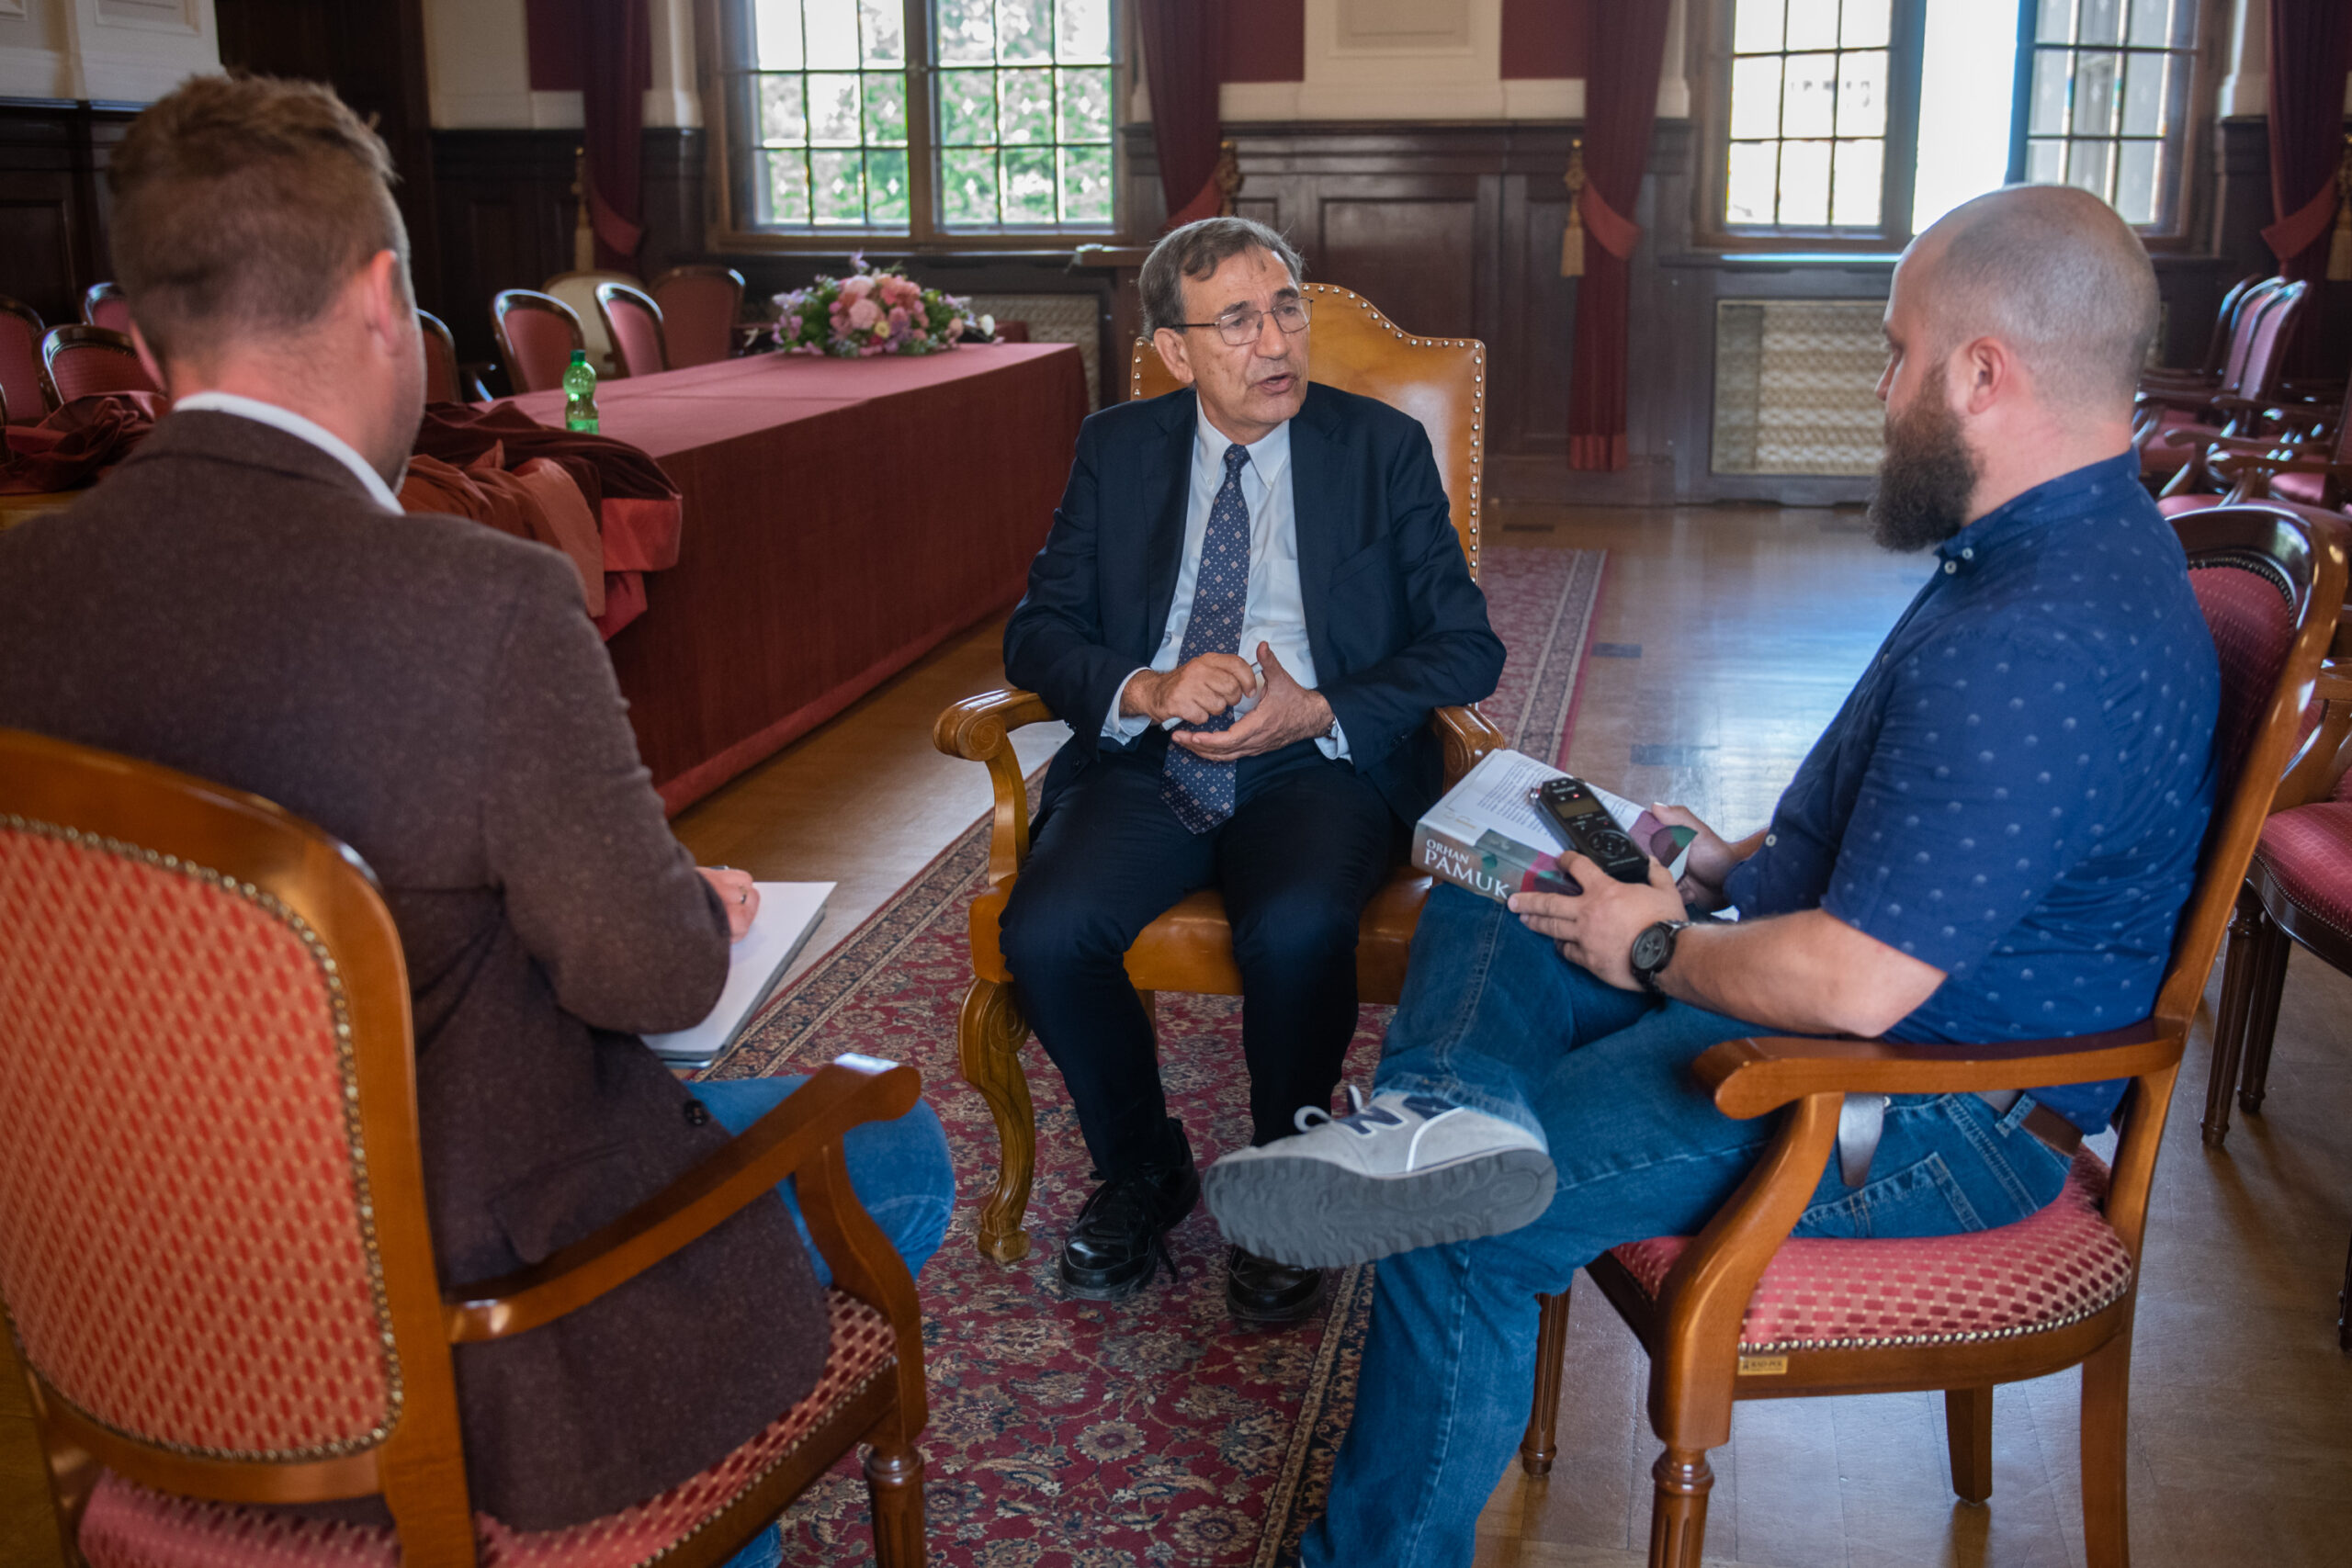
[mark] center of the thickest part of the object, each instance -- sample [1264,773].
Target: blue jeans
[901,1172]
[1494,1019]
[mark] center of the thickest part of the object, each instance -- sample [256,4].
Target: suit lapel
[1314,502]
[1167,474]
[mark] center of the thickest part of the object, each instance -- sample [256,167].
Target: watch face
[1652,948]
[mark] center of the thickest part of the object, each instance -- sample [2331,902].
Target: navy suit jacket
[1397,627]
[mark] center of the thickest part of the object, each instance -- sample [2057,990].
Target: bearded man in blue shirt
[1993,841]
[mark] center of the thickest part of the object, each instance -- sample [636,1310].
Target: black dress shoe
[1116,1247]
[1259,1290]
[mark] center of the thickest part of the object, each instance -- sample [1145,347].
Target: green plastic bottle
[580,394]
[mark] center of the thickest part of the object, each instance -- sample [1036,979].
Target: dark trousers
[1307,845]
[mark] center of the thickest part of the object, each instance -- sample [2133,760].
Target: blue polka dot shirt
[2017,790]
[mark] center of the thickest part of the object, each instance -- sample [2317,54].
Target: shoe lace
[1362,1118]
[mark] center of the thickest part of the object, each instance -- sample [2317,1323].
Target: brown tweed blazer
[230,603]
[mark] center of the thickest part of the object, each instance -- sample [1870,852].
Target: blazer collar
[1323,541]
[206,436]
[1168,473]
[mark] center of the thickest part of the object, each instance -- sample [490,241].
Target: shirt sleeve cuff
[1118,727]
[1334,746]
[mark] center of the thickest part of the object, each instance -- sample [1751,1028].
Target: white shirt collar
[1266,453]
[294,424]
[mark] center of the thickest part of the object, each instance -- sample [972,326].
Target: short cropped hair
[2054,273]
[243,204]
[1197,249]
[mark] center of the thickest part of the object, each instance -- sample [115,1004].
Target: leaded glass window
[1809,81]
[2107,100]
[1025,112]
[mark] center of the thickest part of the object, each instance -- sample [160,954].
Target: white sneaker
[1400,1172]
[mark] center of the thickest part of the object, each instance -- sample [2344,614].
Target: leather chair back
[1442,381]
[699,305]
[105,304]
[20,380]
[537,335]
[633,325]
[81,362]
[443,383]
[2265,357]
[578,289]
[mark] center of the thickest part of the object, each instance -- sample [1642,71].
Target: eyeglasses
[1242,326]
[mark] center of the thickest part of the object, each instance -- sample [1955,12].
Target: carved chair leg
[1541,1446]
[2106,1376]
[2240,969]
[1968,1431]
[894,1487]
[988,1045]
[1678,1514]
[2262,1014]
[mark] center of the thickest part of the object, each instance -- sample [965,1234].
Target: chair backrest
[699,305]
[212,1235]
[1442,381]
[633,322]
[81,362]
[443,383]
[2217,345]
[2251,307]
[2266,358]
[105,304]
[20,379]
[537,335]
[578,289]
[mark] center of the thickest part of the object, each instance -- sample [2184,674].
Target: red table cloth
[842,517]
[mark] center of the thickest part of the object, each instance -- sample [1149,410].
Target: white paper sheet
[789,912]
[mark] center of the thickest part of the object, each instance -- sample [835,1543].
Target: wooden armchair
[1742,1312]
[1441,382]
[210,1319]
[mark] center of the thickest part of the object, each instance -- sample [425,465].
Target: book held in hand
[1486,835]
[789,912]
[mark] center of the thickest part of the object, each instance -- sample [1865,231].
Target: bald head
[2056,276]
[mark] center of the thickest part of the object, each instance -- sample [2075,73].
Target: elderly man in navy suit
[1251,601]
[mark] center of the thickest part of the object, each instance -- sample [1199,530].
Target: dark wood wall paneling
[53,203]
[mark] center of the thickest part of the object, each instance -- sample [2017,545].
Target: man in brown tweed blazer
[242,600]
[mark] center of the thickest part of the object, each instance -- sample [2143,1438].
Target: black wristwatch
[1653,950]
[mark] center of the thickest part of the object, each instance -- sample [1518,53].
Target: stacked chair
[2179,419]
[1741,1312]
[211,1319]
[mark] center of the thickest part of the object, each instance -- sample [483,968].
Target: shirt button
[697,1114]
[1772,838]
[1952,566]
[1969,554]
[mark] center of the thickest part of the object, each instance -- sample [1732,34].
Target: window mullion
[1907,51]
[923,215]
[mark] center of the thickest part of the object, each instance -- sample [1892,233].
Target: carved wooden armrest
[980,730]
[2185,397]
[800,1138]
[1467,737]
[1751,1077]
[2259,461]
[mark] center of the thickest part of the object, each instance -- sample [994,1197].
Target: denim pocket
[1919,1200]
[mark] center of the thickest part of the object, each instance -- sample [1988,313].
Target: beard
[1927,477]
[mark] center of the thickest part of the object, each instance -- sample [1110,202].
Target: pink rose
[955,329]
[864,314]
[858,288]
[898,319]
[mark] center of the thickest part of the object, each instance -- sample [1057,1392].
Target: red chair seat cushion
[2047,1269]
[2309,851]
[2307,489]
[2159,455]
[130,1527]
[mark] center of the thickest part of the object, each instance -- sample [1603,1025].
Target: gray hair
[1197,249]
[2054,273]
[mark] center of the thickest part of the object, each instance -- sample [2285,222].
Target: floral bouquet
[873,311]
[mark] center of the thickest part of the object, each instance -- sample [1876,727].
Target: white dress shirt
[1275,611]
[294,424]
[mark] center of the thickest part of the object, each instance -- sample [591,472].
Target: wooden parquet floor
[1726,639]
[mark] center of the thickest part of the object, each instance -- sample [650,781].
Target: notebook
[790,913]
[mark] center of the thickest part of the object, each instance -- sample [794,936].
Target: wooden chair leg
[2106,1376]
[1541,1446]
[2344,1307]
[894,1487]
[2275,949]
[1679,1513]
[989,1036]
[2239,971]
[1968,1431]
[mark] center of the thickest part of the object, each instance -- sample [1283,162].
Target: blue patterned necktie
[1200,792]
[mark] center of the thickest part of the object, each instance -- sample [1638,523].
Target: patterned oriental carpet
[1075,1435]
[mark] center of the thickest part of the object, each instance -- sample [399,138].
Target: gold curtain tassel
[1572,237]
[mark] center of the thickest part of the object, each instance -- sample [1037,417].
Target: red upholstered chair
[2169,398]
[444,381]
[2309,464]
[2246,408]
[537,335]
[214,1243]
[633,321]
[24,398]
[699,305]
[81,362]
[1741,1312]
[105,304]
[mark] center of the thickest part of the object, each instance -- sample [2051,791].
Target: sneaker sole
[1311,1214]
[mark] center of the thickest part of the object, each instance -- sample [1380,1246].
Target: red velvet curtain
[1626,49]
[616,58]
[2310,47]
[1182,48]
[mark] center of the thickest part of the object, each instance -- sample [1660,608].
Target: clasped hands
[1199,689]
[1595,927]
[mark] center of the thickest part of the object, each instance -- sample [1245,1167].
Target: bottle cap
[579,356]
